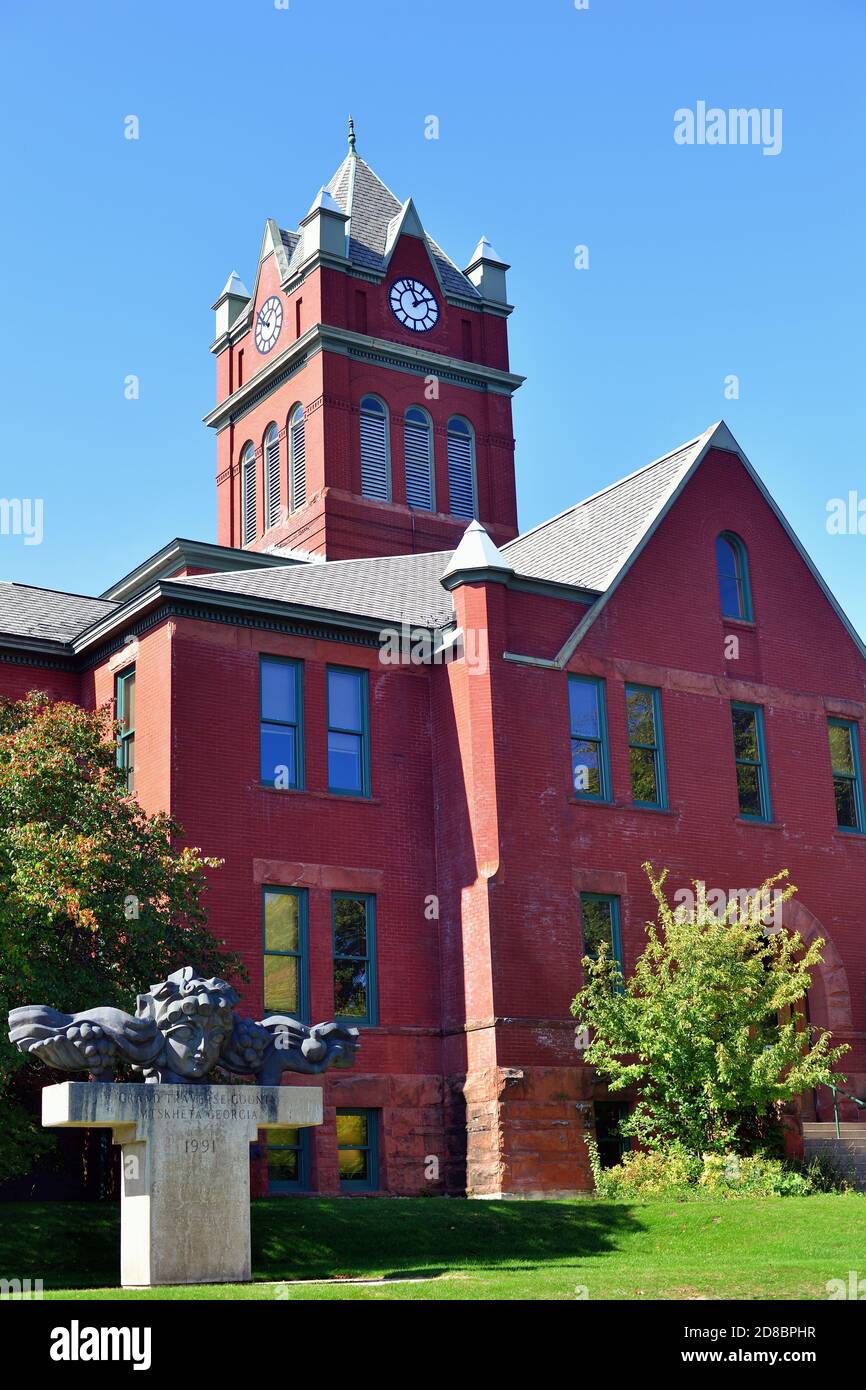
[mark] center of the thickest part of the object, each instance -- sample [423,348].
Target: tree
[707,1029]
[97,899]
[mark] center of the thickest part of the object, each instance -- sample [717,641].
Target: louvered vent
[461,470]
[375,482]
[272,478]
[298,463]
[418,456]
[248,498]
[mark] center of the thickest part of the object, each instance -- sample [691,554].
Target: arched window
[375,461]
[462,500]
[732,565]
[272,476]
[248,494]
[297,460]
[418,455]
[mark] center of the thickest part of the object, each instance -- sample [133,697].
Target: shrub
[677,1173]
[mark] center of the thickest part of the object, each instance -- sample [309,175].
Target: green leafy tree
[97,898]
[706,1031]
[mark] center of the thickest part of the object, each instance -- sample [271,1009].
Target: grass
[433,1248]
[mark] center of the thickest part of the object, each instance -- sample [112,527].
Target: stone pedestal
[185,1208]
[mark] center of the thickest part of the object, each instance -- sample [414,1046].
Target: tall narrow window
[600,921]
[272,476]
[124,693]
[354,933]
[375,462]
[297,460]
[612,1145]
[348,737]
[753,783]
[590,765]
[847,778]
[418,451]
[281,759]
[645,749]
[285,951]
[732,566]
[461,468]
[248,495]
[288,1159]
[357,1150]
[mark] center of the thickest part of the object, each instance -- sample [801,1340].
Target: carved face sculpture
[195,1019]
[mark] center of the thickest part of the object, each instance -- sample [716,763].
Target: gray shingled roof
[47,614]
[371,207]
[587,545]
[395,588]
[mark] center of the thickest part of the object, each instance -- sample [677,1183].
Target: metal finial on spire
[351,135]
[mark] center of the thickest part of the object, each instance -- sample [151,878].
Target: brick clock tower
[363,388]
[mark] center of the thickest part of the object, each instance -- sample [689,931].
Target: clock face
[269,321]
[414,305]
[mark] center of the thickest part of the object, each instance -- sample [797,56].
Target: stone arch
[829,997]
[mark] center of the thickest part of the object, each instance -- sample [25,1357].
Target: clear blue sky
[556,129]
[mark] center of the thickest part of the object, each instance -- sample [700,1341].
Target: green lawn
[433,1248]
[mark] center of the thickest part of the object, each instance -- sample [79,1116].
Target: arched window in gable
[732,567]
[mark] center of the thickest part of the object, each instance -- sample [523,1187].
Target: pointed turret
[230,304]
[476,558]
[487,270]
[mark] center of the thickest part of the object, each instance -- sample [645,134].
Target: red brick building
[433,754]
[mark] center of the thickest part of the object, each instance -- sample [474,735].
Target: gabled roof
[47,615]
[586,545]
[371,207]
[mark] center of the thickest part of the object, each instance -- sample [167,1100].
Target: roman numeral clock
[413,305]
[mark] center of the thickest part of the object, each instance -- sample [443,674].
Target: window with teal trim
[281,761]
[590,762]
[288,1159]
[645,747]
[348,732]
[599,915]
[732,566]
[358,1150]
[124,695]
[847,777]
[750,753]
[284,921]
[353,918]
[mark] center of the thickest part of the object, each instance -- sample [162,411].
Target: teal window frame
[371,1148]
[766,815]
[601,741]
[302,1149]
[740,577]
[657,748]
[302,953]
[362,734]
[855,777]
[297,723]
[615,925]
[126,734]
[370,1018]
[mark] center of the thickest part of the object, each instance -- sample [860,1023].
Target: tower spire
[351,136]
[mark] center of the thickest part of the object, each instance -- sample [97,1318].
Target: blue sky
[556,130]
